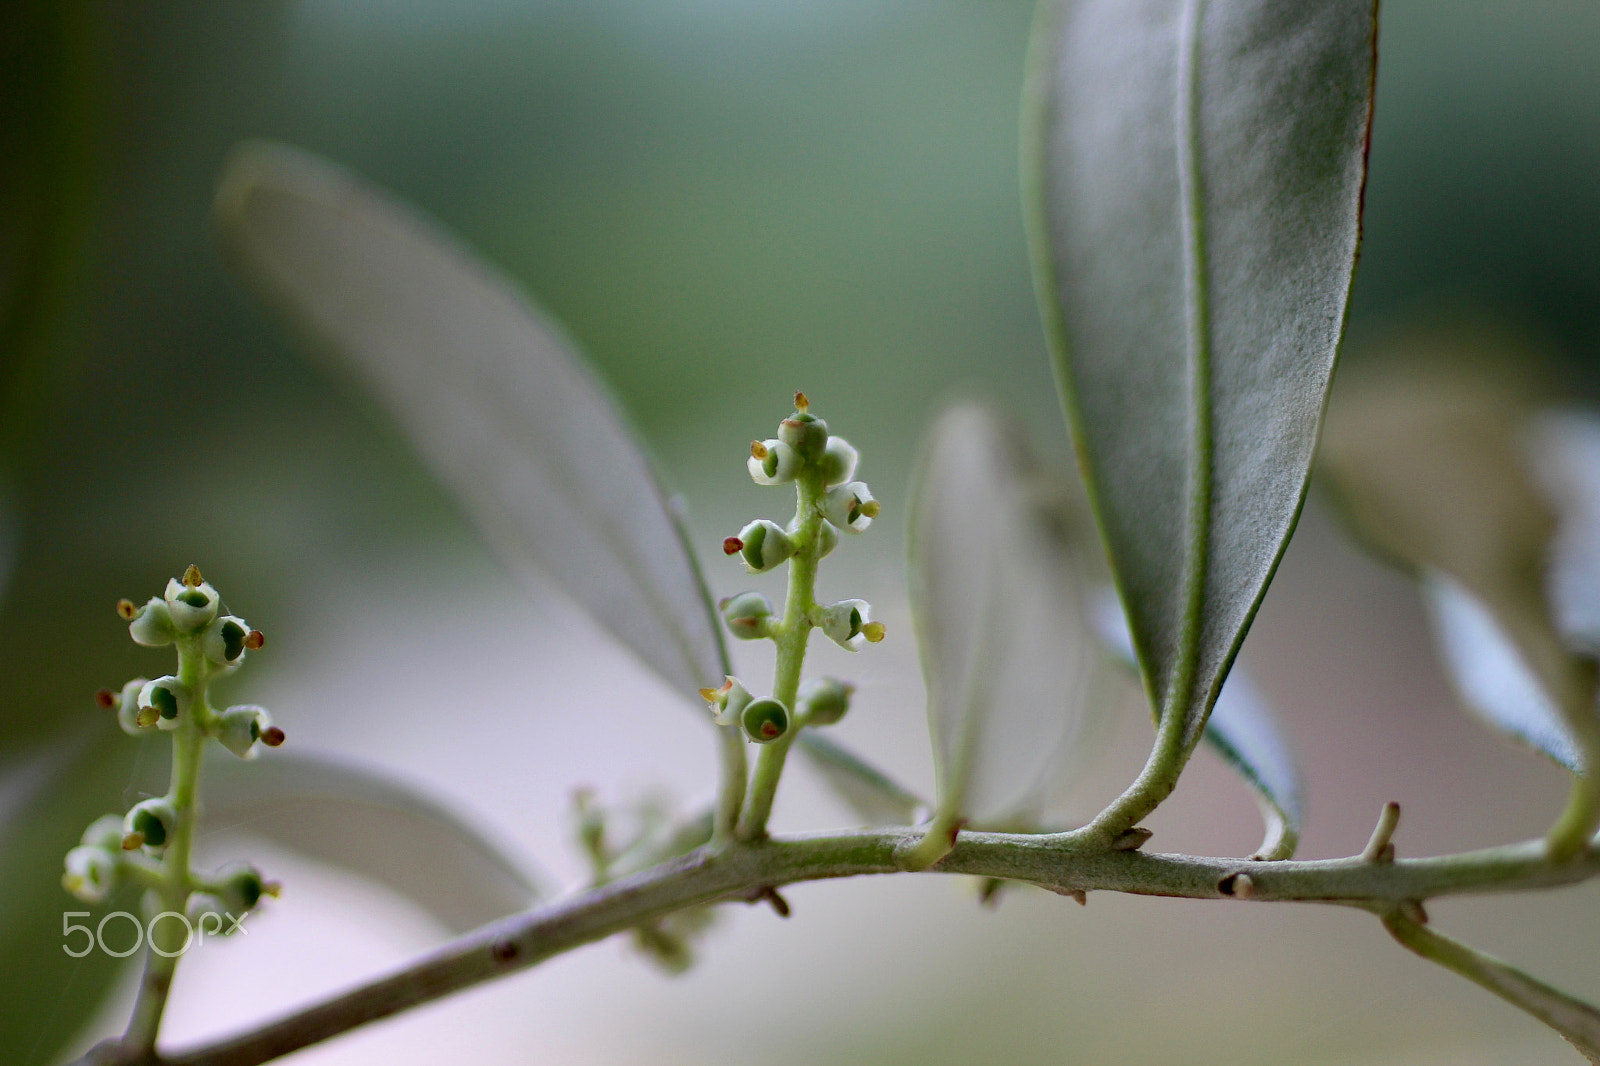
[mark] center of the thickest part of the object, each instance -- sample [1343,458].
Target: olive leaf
[493,396]
[1196,189]
[998,606]
[362,819]
[1427,454]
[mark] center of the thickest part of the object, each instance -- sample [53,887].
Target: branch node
[1239,885]
[1131,839]
[1412,911]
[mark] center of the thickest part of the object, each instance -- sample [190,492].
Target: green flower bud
[225,640]
[163,702]
[150,625]
[806,434]
[850,507]
[838,462]
[772,462]
[150,824]
[764,720]
[764,545]
[238,729]
[747,615]
[824,700]
[103,832]
[191,602]
[726,703]
[127,705]
[91,873]
[240,887]
[848,624]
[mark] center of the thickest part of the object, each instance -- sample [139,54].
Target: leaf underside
[1198,193]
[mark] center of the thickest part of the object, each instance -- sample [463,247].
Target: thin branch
[747,871]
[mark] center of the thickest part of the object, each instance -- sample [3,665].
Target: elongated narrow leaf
[488,389]
[1428,455]
[1491,676]
[1000,618]
[493,396]
[365,821]
[1244,732]
[1197,192]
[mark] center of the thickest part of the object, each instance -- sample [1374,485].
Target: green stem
[1575,1020]
[175,877]
[791,637]
[744,870]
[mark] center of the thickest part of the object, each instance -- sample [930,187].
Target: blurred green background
[723,200]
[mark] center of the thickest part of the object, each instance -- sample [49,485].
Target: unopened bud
[764,545]
[850,506]
[772,462]
[848,624]
[225,640]
[824,700]
[838,462]
[240,887]
[806,434]
[91,873]
[238,729]
[747,615]
[151,625]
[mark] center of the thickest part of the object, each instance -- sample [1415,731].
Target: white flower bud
[240,887]
[238,729]
[163,702]
[191,602]
[226,639]
[150,625]
[805,433]
[150,824]
[827,538]
[764,545]
[848,624]
[850,506]
[91,873]
[838,462]
[772,462]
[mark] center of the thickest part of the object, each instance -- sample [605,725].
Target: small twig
[1379,849]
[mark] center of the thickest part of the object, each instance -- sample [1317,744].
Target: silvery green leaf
[873,796]
[1430,459]
[494,397]
[997,605]
[1490,675]
[487,388]
[1197,191]
[1244,732]
[360,819]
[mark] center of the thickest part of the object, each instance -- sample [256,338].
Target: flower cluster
[129,848]
[822,468]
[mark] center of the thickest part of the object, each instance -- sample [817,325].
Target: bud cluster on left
[149,845]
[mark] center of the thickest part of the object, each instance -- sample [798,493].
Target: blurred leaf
[47,798]
[487,388]
[997,602]
[1244,732]
[1197,190]
[362,820]
[864,789]
[1427,456]
[493,396]
[1491,677]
